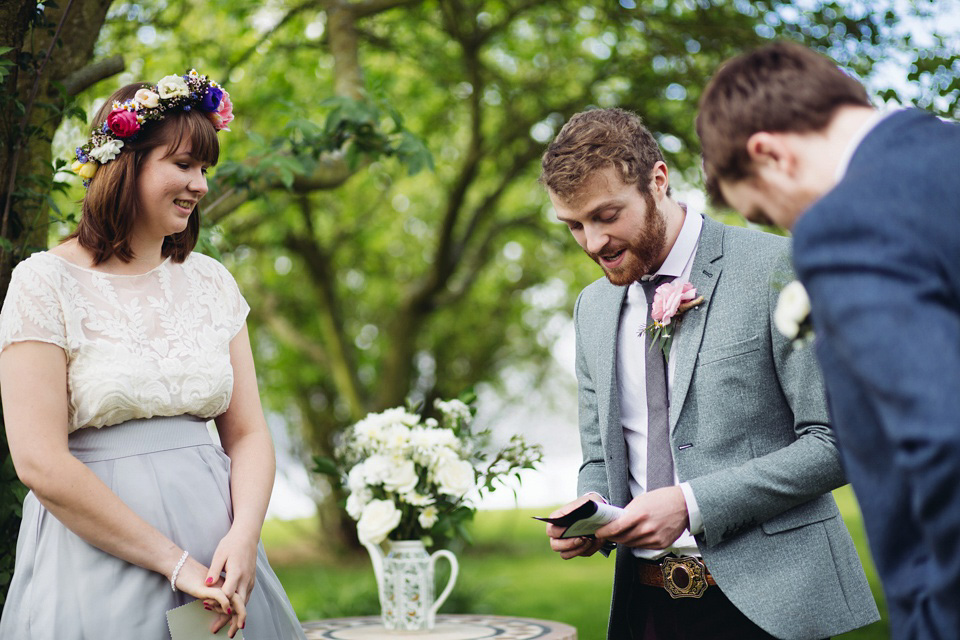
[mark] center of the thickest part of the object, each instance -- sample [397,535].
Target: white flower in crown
[792,315]
[172,87]
[147,98]
[107,151]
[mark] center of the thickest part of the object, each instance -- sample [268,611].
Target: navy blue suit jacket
[880,257]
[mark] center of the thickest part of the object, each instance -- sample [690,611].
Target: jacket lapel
[703,275]
[607,389]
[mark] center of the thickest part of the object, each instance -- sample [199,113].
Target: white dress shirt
[631,380]
[858,137]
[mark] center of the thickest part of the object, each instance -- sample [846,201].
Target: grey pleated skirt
[173,476]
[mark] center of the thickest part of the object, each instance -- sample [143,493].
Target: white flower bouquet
[409,477]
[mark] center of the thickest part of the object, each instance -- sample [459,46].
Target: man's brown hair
[594,140]
[110,205]
[779,87]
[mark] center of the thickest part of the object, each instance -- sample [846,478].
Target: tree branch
[366,8]
[481,256]
[331,327]
[84,78]
[331,172]
[284,331]
[289,15]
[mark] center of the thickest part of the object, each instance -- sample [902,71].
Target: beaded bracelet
[176,571]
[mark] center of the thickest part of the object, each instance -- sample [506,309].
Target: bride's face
[170,183]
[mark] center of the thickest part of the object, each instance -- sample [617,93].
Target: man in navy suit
[873,201]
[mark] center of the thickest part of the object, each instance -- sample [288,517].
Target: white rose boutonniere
[792,315]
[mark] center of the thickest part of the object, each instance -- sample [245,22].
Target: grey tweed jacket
[749,432]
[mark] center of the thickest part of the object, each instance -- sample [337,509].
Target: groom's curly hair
[594,140]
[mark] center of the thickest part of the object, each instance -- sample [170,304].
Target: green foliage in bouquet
[412,476]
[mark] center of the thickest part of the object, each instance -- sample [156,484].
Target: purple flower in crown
[82,155]
[211,100]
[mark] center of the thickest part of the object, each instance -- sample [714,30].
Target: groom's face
[621,228]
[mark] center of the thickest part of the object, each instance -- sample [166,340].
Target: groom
[720,453]
[874,203]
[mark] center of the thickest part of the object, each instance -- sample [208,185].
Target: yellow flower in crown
[85,170]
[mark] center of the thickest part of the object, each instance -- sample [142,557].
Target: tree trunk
[32,109]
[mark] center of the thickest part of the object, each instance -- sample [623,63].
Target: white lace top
[155,344]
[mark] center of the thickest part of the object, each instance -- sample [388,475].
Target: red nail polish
[229,612]
[209,581]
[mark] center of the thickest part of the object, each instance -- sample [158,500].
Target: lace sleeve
[32,309]
[234,305]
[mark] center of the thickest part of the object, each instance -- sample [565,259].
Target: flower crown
[124,122]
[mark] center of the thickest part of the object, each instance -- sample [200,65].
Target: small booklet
[585,519]
[192,622]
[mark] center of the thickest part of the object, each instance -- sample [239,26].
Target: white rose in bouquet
[402,476]
[379,518]
[454,477]
[376,469]
[356,501]
[357,479]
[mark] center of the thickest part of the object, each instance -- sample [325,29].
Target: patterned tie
[659,456]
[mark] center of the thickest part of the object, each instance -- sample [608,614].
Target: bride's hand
[236,558]
[192,580]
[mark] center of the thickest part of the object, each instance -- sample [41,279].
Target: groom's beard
[643,251]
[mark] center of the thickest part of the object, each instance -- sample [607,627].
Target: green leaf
[325,466]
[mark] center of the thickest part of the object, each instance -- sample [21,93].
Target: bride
[116,347]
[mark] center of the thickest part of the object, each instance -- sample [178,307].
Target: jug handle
[376,558]
[454,570]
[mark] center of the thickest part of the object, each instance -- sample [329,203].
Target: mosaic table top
[448,627]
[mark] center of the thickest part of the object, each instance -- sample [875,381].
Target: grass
[509,570]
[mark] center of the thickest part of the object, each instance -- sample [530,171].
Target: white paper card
[192,622]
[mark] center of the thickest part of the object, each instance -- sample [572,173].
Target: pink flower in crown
[224,113]
[123,123]
[668,298]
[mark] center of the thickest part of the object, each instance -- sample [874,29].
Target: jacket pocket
[729,351]
[817,510]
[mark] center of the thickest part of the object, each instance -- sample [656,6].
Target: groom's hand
[652,520]
[572,547]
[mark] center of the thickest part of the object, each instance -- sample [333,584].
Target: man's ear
[770,151]
[659,179]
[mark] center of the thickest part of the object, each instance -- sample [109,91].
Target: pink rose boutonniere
[670,301]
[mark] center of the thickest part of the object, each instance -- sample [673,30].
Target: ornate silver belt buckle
[684,577]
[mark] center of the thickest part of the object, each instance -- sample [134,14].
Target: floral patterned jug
[405,583]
